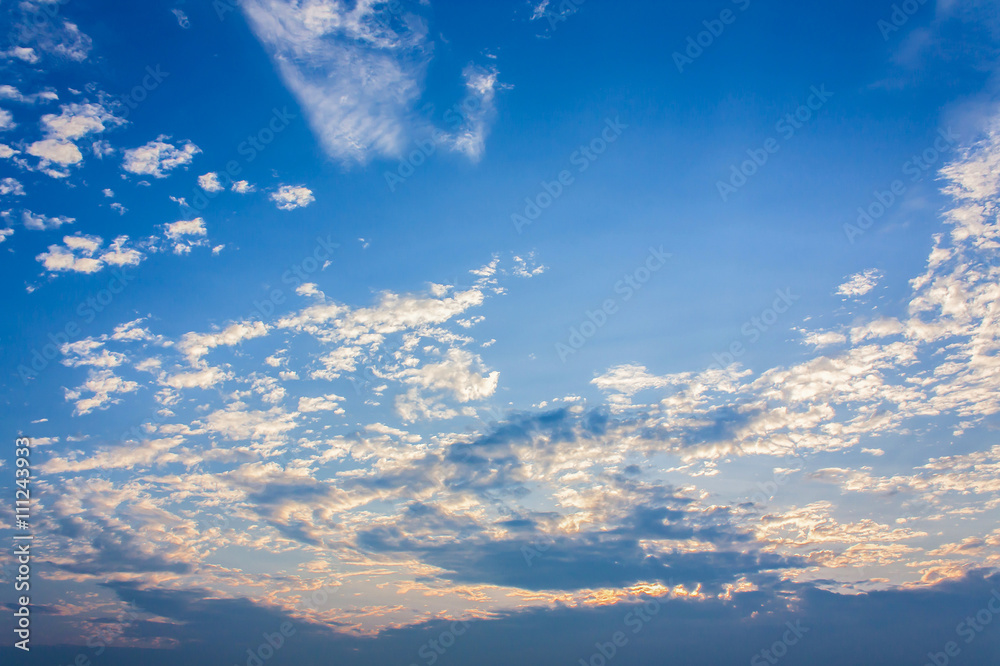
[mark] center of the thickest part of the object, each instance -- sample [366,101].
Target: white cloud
[477,110]
[628,379]
[196,345]
[23,53]
[359,77]
[181,228]
[6,120]
[860,283]
[12,93]
[42,222]
[7,152]
[204,378]
[51,35]
[55,151]
[242,187]
[11,186]
[4,233]
[72,123]
[290,197]
[182,231]
[823,338]
[158,157]
[325,403]
[210,182]
[76,121]
[458,373]
[104,385]
[82,254]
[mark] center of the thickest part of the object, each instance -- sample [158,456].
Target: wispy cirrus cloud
[358,71]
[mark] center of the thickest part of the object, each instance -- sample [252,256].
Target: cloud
[478,111]
[22,53]
[196,345]
[84,254]
[325,403]
[628,380]
[42,222]
[4,233]
[458,373]
[63,153]
[290,197]
[210,182]
[242,187]
[74,122]
[860,283]
[358,72]
[39,29]
[157,158]
[182,18]
[182,231]
[104,385]
[11,186]
[12,93]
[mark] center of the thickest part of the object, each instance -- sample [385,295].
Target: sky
[548,332]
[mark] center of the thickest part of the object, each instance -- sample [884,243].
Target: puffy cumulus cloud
[628,380]
[324,403]
[73,123]
[358,72]
[4,233]
[87,254]
[196,345]
[210,182]
[6,120]
[242,187]
[41,222]
[204,378]
[76,121]
[860,284]
[145,454]
[104,386]
[186,234]
[823,338]
[236,422]
[11,186]
[55,151]
[459,373]
[84,353]
[22,53]
[290,197]
[157,158]
[132,331]
[12,93]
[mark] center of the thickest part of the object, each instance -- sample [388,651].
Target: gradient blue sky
[301,302]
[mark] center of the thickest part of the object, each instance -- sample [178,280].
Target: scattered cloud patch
[157,158]
[290,197]
[860,284]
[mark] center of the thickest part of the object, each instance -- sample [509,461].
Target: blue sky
[395,319]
